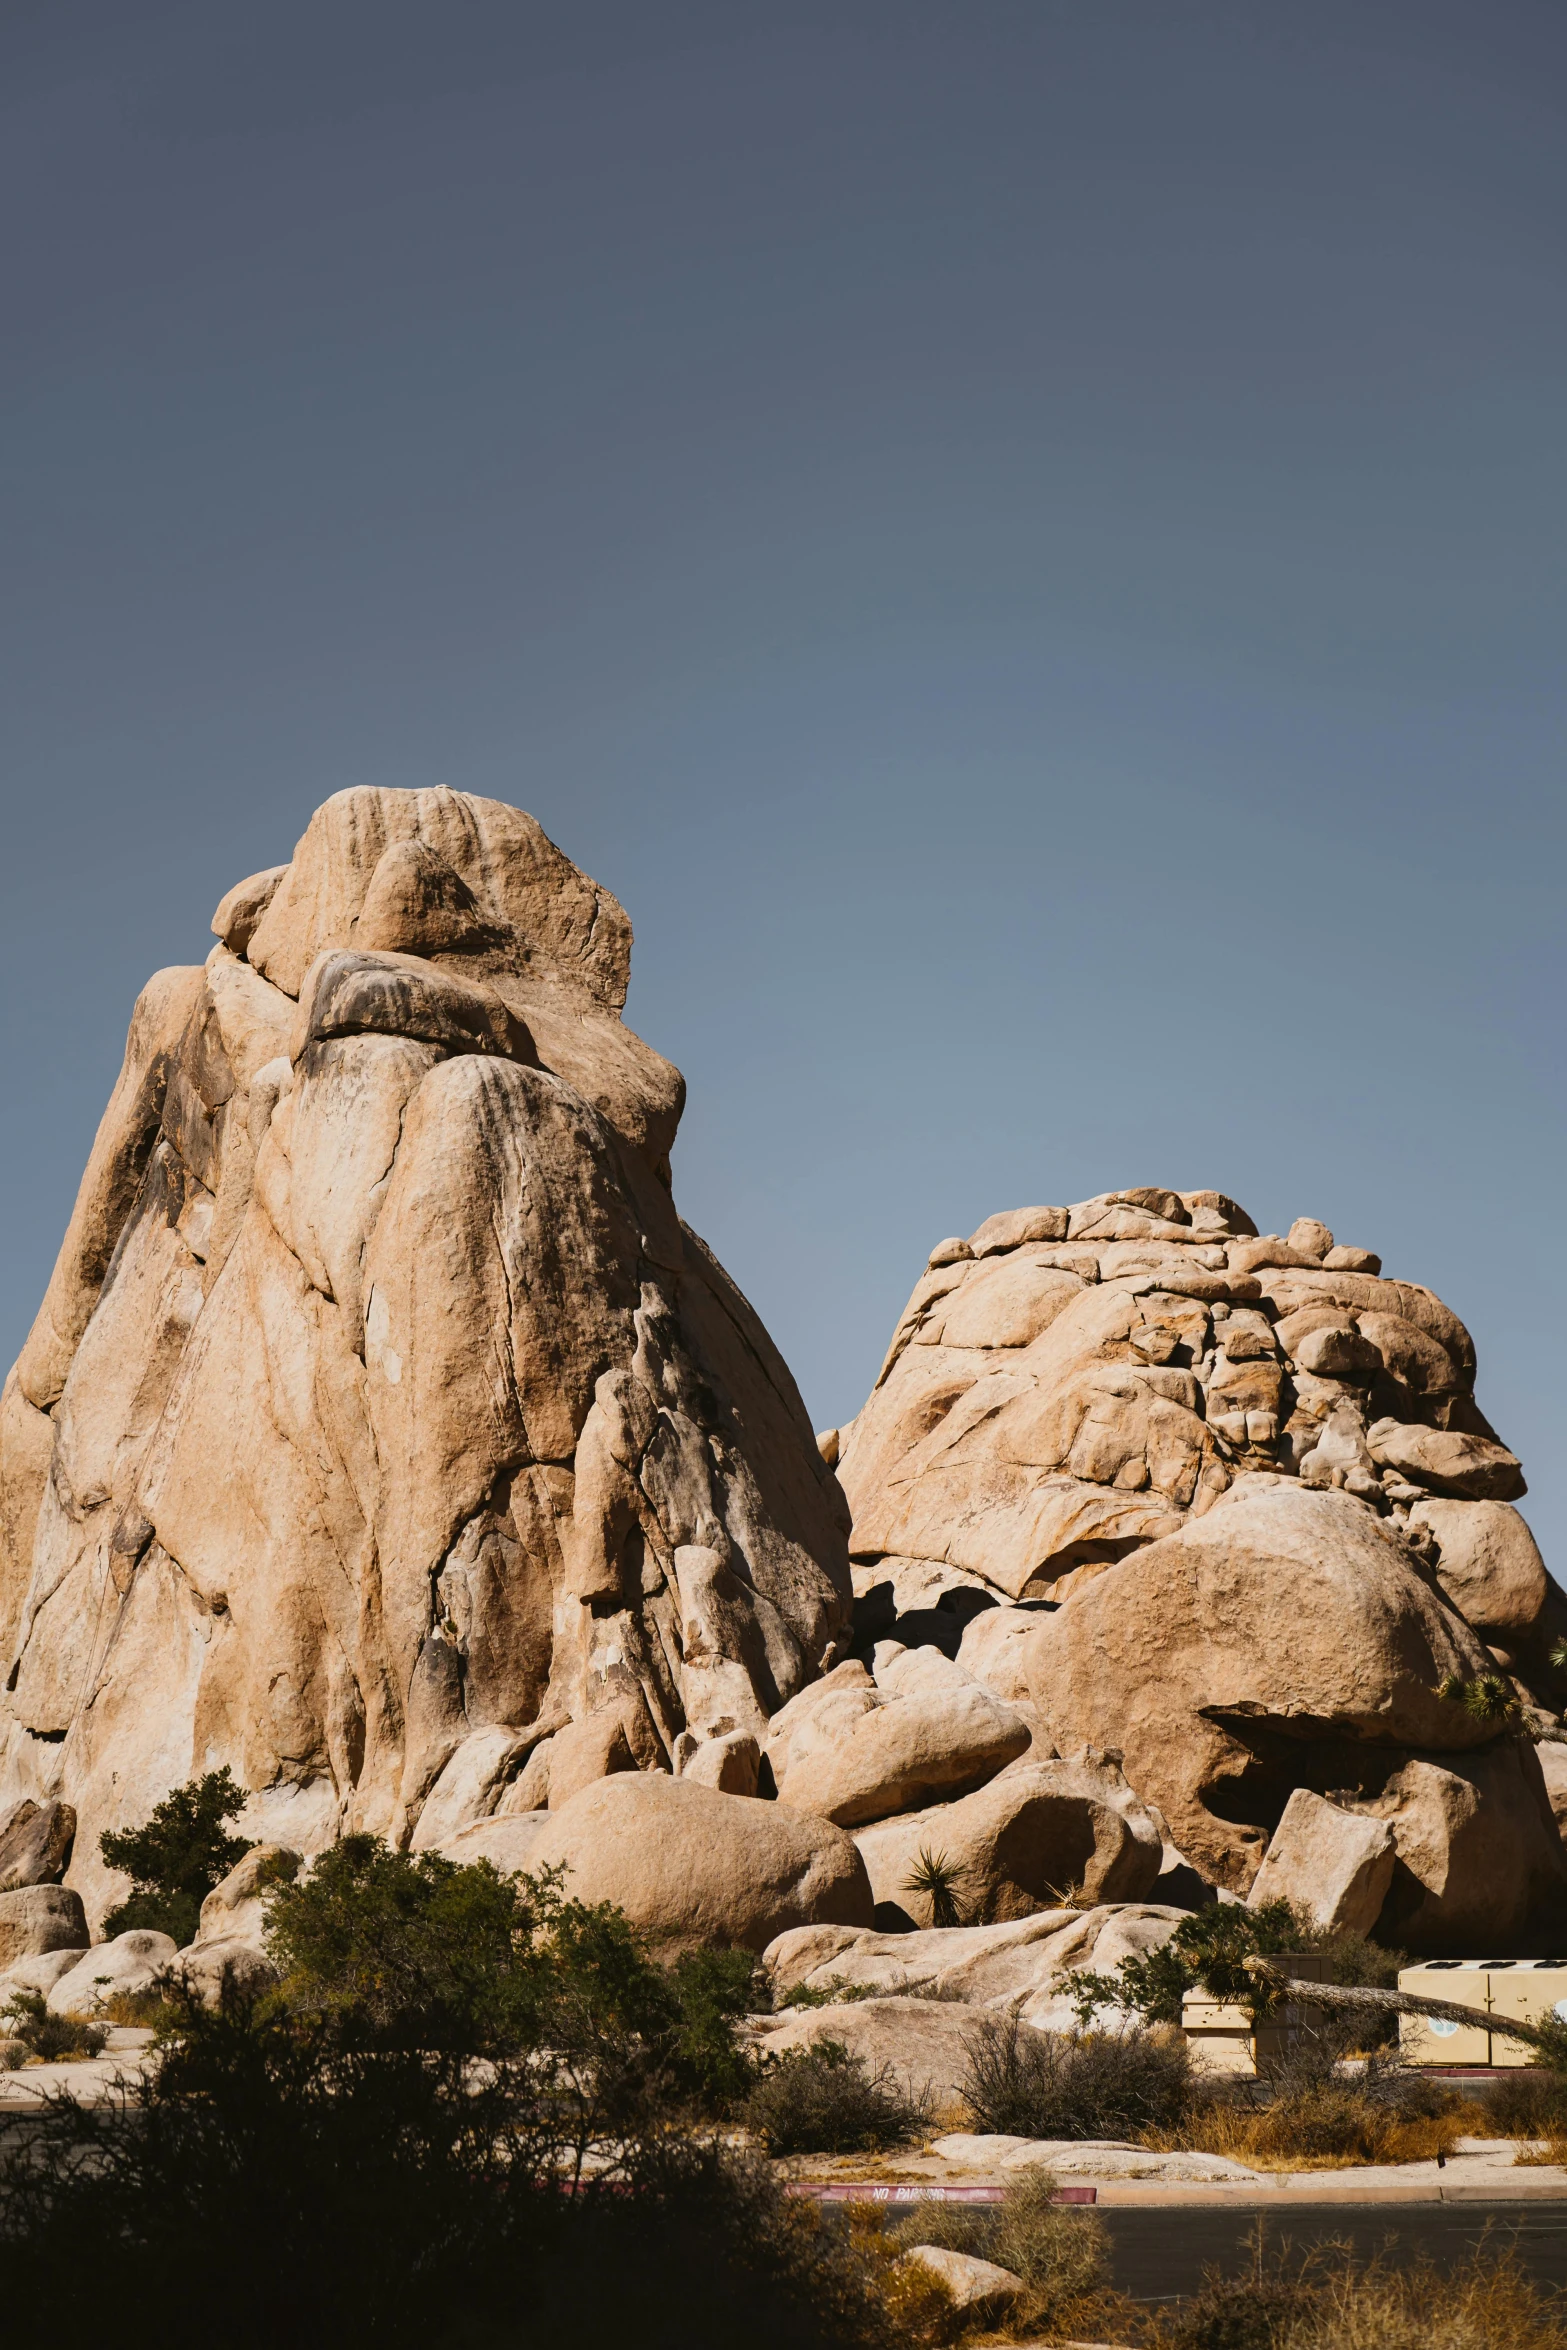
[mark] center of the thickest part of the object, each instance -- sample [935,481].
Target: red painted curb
[853,2192]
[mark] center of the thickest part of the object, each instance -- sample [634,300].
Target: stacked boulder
[1222,1507]
[386,1437]
[383,1433]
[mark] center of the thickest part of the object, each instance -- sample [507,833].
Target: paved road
[1160,2253]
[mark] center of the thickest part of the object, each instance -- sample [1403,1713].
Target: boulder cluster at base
[386,1437]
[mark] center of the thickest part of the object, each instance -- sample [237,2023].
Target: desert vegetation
[30,2034]
[470,2096]
[1208,1952]
[1332,2300]
[174,1861]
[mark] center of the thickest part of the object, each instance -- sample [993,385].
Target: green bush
[835,1992]
[426,1952]
[1028,2084]
[316,2185]
[28,2022]
[433,1955]
[823,2100]
[1208,1952]
[176,1859]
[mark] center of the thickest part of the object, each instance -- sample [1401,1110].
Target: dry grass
[1331,2127]
[1333,2301]
[142,2009]
[1484,2304]
[1061,2255]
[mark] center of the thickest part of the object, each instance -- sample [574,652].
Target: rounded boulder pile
[1221,1510]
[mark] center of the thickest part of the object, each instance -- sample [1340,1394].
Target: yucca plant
[935,1877]
[1487,1697]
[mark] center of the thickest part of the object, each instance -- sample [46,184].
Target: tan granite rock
[131,1963]
[923,2043]
[1023,1967]
[1138,1423]
[691,1866]
[36,1919]
[861,1753]
[1036,1833]
[1334,1866]
[1487,1562]
[1214,1660]
[379,1397]
[35,1844]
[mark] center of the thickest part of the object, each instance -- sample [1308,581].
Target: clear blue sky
[1024,541]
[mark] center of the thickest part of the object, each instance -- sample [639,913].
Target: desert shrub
[141,2009]
[403,2197]
[1355,1958]
[1031,2084]
[1061,2253]
[1526,2104]
[50,2038]
[713,1990]
[833,1993]
[419,1947]
[1314,2119]
[1341,2124]
[1208,1952]
[823,2100]
[1332,2301]
[176,1859]
[431,1954]
[1240,2313]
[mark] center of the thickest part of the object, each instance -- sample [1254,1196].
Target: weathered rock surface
[378,1396]
[992,1650]
[1022,1967]
[129,1964]
[1479,1852]
[852,1749]
[507,1844]
[1020,1844]
[213,1969]
[732,1764]
[1095,2158]
[922,2042]
[36,1844]
[1283,1636]
[1487,1562]
[1070,1384]
[975,2286]
[38,1974]
[36,1919]
[236,1908]
[1252,1475]
[691,1866]
[1335,1866]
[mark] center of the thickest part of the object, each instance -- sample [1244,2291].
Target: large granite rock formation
[379,1401]
[1225,1507]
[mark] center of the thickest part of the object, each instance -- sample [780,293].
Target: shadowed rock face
[1242,1490]
[379,1398]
